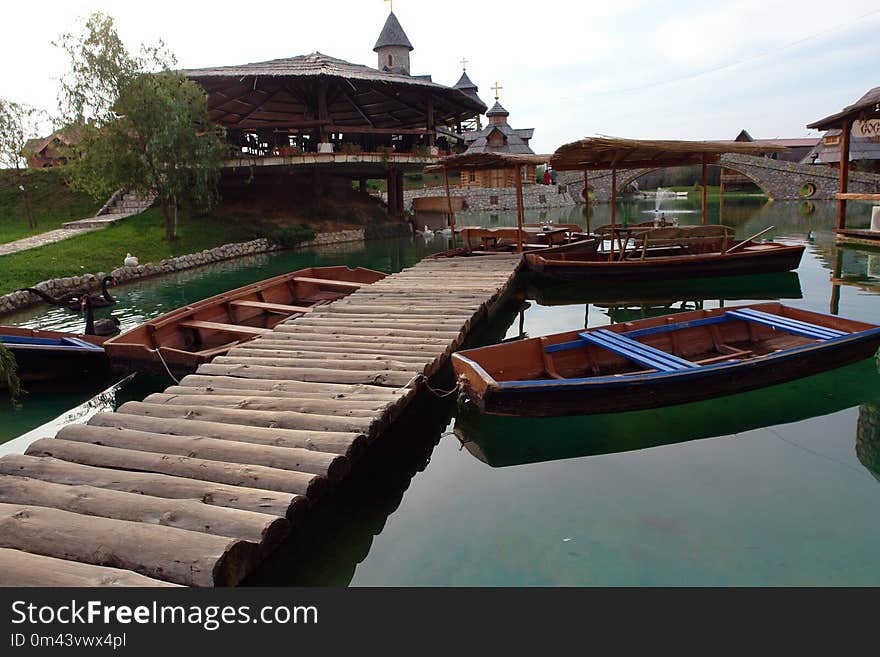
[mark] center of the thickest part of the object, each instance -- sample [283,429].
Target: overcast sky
[671,69]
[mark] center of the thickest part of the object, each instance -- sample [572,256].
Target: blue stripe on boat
[67,343]
[652,330]
[637,352]
[786,324]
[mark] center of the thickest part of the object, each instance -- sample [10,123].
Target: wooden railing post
[705,180]
[846,129]
[520,209]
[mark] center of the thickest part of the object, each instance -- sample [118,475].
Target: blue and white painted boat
[43,356]
[660,361]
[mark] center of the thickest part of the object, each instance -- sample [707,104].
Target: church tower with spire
[393,47]
[468,88]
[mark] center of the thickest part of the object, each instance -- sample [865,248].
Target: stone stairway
[120,206]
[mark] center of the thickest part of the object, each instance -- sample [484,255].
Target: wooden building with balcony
[339,120]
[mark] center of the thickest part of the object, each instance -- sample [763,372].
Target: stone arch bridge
[781,181]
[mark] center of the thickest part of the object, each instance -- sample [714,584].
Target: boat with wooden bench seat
[660,361]
[183,339]
[667,253]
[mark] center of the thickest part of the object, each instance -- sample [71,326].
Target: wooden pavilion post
[429,111]
[449,205]
[705,180]
[587,197]
[613,205]
[520,210]
[846,129]
[323,113]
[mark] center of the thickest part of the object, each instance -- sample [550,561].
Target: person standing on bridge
[552,176]
[547,176]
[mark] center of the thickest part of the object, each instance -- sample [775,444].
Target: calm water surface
[771,487]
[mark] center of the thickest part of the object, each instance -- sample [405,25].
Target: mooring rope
[440,394]
[167,369]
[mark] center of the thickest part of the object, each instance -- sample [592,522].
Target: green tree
[144,127]
[18,123]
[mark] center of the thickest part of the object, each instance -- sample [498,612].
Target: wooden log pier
[194,486]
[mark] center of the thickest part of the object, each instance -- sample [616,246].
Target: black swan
[102,327]
[73,300]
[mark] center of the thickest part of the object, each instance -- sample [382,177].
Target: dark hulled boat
[660,361]
[661,254]
[43,356]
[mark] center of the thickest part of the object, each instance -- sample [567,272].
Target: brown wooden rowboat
[187,337]
[660,361]
[653,256]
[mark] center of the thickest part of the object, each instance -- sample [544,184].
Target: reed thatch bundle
[610,152]
[487,161]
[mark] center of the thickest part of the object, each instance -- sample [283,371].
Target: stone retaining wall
[535,197]
[60,286]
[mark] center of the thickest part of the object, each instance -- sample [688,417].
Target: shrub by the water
[290,236]
[386,230]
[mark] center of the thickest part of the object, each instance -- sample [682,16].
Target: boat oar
[746,241]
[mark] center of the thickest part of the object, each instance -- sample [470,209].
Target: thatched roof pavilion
[603,153]
[318,90]
[487,160]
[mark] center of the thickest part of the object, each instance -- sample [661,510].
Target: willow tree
[143,127]
[18,123]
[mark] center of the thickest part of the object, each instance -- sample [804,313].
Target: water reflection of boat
[660,361]
[784,285]
[505,441]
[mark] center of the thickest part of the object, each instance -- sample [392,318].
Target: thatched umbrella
[474,161]
[602,153]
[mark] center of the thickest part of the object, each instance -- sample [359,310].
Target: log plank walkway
[196,485]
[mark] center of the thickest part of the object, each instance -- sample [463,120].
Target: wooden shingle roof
[392,35]
[283,92]
[866,107]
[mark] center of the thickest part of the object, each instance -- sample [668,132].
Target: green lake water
[778,486]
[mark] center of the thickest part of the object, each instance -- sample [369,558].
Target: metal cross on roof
[464,64]
[496,89]
[391,3]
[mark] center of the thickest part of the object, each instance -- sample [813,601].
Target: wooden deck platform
[196,485]
[858,236]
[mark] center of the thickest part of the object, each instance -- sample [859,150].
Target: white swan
[130,260]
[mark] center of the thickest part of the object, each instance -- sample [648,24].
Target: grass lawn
[105,249]
[52,202]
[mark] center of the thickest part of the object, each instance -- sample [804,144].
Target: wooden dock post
[846,131]
[587,197]
[703,193]
[520,208]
